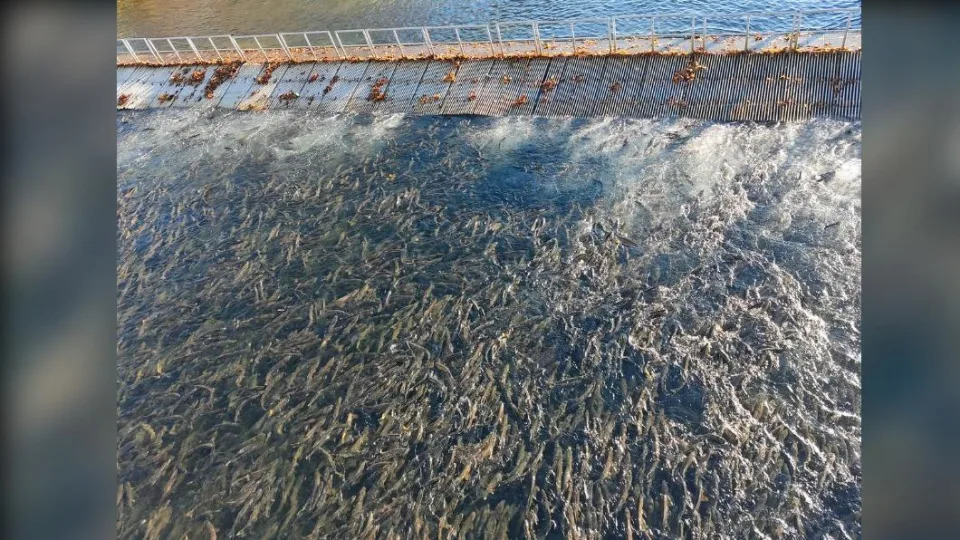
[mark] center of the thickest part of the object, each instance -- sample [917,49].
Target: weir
[713,68]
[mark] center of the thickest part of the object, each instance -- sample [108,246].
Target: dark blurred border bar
[59,245]
[911,274]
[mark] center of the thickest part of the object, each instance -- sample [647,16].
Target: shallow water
[363,325]
[156,18]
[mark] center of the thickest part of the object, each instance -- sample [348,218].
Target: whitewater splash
[357,325]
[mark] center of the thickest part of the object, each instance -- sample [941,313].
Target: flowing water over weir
[395,326]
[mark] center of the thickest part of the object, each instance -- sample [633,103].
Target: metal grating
[817,91]
[649,101]
[433,89]
[701,95]
[531,82]
[124,74]
[734,91]
[548,100]
[132,84]
[580,79]
[194,93]
[501,87]
[349,78]
[175,89]
[754,87]
[847,103]
[460,96]
[150,88]
[585,94]
[776,88]
[240,85]
[402,91]
[622,78]
[218,92]
[312,92]
[293,80]
[376,71]
[259,95]
[767,88]
[660,96]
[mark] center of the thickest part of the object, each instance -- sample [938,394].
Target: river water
[393,326]
[159,18]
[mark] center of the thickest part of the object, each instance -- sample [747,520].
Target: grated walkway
[789,86]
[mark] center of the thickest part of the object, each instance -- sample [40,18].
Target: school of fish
[435,327]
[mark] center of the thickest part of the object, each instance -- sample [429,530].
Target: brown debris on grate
[376,91]
[689,73]
[264,77]
[838,84]
[197,76]
[221,74]
[329,86]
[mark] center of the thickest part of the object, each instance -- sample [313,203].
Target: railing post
[126,45]
[426,38]
[284,46]
[215,48]
[653,32]
[340,52]
[746,38]
[703,36]
[843,44]
[336,33]
[793,40]
[175,51]
[153,51]
[399,45]
[613,34]
[693,35]
[194,47]
[259,46]
[459,41]
[795,35]
[312,50]
[236,46]
[366,36]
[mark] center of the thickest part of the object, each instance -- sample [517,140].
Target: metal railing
[625,34]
